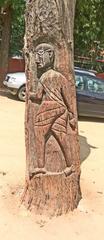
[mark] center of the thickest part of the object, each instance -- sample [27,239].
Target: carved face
[44,56]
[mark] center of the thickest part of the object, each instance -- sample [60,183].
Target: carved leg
[40,146]
[40,135]
[64,145]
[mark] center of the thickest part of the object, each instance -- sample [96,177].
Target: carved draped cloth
[53,110]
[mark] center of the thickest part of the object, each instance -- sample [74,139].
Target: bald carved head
[44,56]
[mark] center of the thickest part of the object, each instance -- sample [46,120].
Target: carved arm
[36,96]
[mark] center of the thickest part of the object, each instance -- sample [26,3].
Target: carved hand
[71,116]
[32,96]
[73,123]
[72,120]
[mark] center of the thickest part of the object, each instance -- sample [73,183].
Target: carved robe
[54,108]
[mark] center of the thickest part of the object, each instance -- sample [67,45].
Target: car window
[79,82]
[94,85]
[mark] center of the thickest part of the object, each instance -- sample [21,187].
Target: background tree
[9,9]
[89,26]
[5,15]
[88,29]
[17,29]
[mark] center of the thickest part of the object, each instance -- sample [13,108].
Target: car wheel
[22,93]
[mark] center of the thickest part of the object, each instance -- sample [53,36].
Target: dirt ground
[84,223]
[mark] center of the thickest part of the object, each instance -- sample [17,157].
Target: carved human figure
[54,113]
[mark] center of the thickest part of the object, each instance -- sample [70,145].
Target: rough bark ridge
[4,44]
[52,149]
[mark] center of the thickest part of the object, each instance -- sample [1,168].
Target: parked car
[100,75]
[16,82]
[90,95]
[89,88]
[82,70]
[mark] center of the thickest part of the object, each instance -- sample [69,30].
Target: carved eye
[41,52]
[50,53]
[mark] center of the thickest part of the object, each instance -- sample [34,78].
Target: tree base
[52,194]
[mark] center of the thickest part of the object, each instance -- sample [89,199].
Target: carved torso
[53,108]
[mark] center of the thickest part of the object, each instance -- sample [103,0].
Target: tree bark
[51,133]
[5,40]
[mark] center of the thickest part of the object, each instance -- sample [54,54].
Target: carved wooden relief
[52,150]
[54,113]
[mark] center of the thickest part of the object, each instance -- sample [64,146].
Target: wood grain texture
[51,133]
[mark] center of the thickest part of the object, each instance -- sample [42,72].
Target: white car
[16,82]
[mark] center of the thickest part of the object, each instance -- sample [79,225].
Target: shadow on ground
[85,148]
[5,93]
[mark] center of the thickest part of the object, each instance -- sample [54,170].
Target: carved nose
[37,59]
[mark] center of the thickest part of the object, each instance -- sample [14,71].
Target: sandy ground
[84,223]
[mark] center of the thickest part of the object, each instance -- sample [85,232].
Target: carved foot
[68,171]
[37,171]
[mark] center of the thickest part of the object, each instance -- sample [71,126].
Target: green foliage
[17,29]
[17,24]
[14,3]
[88,25]
[89,22]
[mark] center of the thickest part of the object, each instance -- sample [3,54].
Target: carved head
[44,56]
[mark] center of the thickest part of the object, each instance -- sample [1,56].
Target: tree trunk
[4,44]
[52,148]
